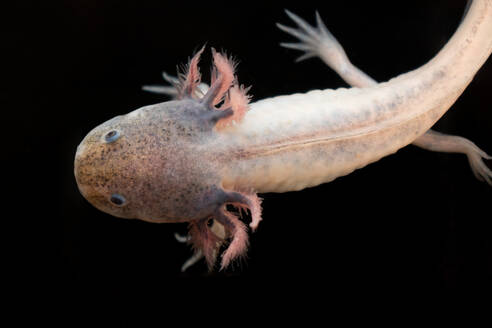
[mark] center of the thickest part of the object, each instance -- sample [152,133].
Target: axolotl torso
[184,160]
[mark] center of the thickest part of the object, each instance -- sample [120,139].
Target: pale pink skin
[223,150]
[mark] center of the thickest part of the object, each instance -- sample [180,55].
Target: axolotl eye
[117,199]
[112,136]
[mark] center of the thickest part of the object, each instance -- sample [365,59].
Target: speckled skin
[176,162]
[167,163]
[161,164]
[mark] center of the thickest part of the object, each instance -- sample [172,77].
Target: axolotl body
[186,159]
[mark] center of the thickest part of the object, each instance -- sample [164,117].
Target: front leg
[319,42]
[171,90]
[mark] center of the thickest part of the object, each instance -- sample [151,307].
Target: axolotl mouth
[154,163]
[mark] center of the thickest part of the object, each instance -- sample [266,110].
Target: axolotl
[202,157]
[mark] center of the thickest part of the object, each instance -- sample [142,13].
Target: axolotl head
[146,165]
[154,163]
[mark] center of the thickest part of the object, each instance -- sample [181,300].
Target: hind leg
[441,142]
[319,42]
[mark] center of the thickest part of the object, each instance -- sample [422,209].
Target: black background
[416,218]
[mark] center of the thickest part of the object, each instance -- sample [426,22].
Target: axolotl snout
[185,160]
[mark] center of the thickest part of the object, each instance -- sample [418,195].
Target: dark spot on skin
[439,74]
[399,99]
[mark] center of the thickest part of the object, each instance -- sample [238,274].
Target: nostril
[111,136]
